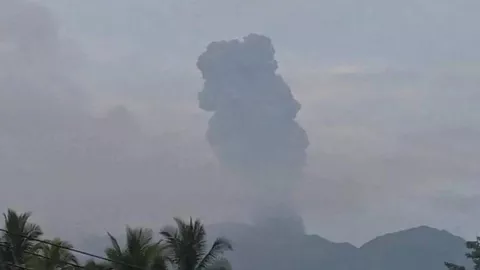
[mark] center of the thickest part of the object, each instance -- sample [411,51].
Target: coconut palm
[18,238]
[187,246]
[140,252]
[54,256]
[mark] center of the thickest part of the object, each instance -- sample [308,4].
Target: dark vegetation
[186,246]
[182,247]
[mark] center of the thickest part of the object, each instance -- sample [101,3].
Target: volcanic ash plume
[253,130]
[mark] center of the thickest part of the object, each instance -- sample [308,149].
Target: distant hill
[271,248]
[421,248]
[417,248]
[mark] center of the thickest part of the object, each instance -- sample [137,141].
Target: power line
[5,244]
[48,258]
[71,249]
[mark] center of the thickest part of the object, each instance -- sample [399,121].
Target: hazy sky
[100,125]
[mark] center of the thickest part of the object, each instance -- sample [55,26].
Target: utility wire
[5,244]
[17,266]
[48,258]
[71,249]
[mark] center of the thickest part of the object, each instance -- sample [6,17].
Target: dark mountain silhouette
[421,248]
[272,248]
[417,248]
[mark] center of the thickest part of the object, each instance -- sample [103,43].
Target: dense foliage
[183,247]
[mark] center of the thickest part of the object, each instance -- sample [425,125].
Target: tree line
[182,247]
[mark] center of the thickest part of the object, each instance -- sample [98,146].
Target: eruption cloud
[253,131]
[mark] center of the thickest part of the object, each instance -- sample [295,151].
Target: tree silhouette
[53,257]
[18,238]
[140,251]
[187,246]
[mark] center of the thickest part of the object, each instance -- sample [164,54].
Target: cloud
[386,141]
[108,124]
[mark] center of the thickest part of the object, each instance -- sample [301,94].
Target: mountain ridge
[270,248]
[421,247]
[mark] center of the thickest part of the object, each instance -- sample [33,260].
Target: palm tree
[187,245]
[55,256]
[140,252]
[18,237]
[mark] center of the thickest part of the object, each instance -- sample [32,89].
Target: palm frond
[52,255]
[17,227]
[198,239]
[32,230]
[140,251]
[159,257]
[114,253]
[139,240]
[114,243]
[169,232]
[172,243]
[218,248]
[182,226]
[187,245]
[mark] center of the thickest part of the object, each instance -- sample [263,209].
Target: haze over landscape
[100,124]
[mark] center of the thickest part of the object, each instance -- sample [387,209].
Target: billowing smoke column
[253,130]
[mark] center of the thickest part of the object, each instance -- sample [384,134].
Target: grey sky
[99,122]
